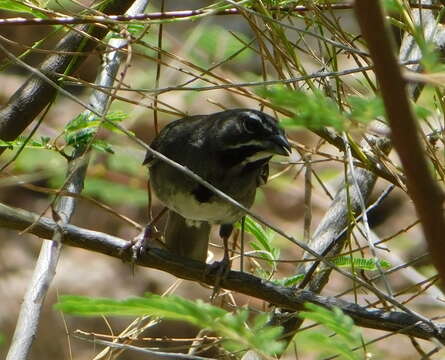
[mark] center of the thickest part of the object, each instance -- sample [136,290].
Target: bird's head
[249,135]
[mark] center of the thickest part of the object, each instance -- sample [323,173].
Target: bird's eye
[252,123]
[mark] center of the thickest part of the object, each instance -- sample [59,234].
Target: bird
[231,150]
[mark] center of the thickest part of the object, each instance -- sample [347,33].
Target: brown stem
[424,191]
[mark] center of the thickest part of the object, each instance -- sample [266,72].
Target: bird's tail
[185,240]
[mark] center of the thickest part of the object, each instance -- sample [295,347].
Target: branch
[287,298]
[424,191]
[35,93]
[45,269]
[174,15]
[326,239]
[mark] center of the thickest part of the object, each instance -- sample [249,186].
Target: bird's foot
[222,269]
[139,244]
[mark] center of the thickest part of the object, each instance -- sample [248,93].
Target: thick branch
[244,283]
[426,195]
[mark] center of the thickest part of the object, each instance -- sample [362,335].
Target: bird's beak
[279,145]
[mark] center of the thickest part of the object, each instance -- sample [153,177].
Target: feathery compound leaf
[364,109]
[311,110]
[360,263]
[347,335]
[232,327]
[263,241]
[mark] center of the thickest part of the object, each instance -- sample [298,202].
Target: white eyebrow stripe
[249,143]
[265,124]
[254,115]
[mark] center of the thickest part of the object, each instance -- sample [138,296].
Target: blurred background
[118,179]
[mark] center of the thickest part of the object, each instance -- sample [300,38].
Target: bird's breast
[215,211]
[197,203]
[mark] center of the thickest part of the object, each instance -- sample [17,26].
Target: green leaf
[81,130]
[8,144]
[422,112]
[263,241]
[114,118]
[232,327]
[82,121]
[255,229]
[364,109]
[31,143]
[333,319]
[102,145]
[216,43]
[289,281]
[17,6]
[431,57]
[310,110]
[347,335]
[360,263]
[393,6]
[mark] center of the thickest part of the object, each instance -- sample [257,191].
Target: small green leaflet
[342,261]
[360,263]
[81,130]
[290,280]
[263,240]
[32,143]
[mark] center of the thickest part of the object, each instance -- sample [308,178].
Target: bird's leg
[224,232]
[223,266]
[140,243]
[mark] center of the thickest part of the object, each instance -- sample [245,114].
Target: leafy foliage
[360,263]
[20,7]
[342,261]
[311,111]
[262,244]
[232,327]
[316,110]
[42,143]
[81,131]
[347,336]
[364,109]
[290,280]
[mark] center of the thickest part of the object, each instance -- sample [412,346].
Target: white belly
[215,212]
